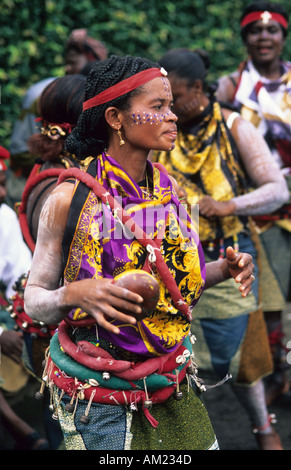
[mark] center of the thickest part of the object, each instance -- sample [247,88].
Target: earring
[121,141]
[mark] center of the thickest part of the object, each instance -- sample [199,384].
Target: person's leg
[276,277]
[25,436]
[252,398]
[277,383]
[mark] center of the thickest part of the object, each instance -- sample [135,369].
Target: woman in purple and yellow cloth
[123,377]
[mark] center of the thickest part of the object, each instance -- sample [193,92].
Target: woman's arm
[239,266]
[46,300]
[271,190]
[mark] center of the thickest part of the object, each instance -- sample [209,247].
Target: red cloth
[122,369]
[34,178]
[123,87]
[4,155]
[106,396]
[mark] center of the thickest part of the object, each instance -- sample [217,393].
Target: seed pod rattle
[144,284]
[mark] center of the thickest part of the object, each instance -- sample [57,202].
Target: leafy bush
[33,34]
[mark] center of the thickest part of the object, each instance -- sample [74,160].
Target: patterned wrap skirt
[123,422]
[182,425]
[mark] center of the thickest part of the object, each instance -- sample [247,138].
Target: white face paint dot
[147,118]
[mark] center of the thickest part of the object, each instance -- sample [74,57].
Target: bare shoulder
[46,266]
[54,214]
[226,86]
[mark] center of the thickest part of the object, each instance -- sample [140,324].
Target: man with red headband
[260,89]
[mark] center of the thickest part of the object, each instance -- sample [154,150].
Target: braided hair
[90,136]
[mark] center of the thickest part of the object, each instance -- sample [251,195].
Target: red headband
[265,16]
[125,86]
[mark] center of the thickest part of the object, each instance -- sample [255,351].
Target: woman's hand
[209,207]
[240,267]
[105,301]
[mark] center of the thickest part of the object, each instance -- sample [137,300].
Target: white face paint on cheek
[140,117]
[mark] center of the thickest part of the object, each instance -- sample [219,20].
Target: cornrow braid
[90,136]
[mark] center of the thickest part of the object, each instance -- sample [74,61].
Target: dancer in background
[260,91]
[224,165]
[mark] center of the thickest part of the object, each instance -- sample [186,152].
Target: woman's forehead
[156,87]
[264,24]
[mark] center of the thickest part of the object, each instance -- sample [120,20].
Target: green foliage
[33,34]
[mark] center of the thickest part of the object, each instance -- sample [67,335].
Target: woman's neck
[132,161]
[195,121]
[271,70]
